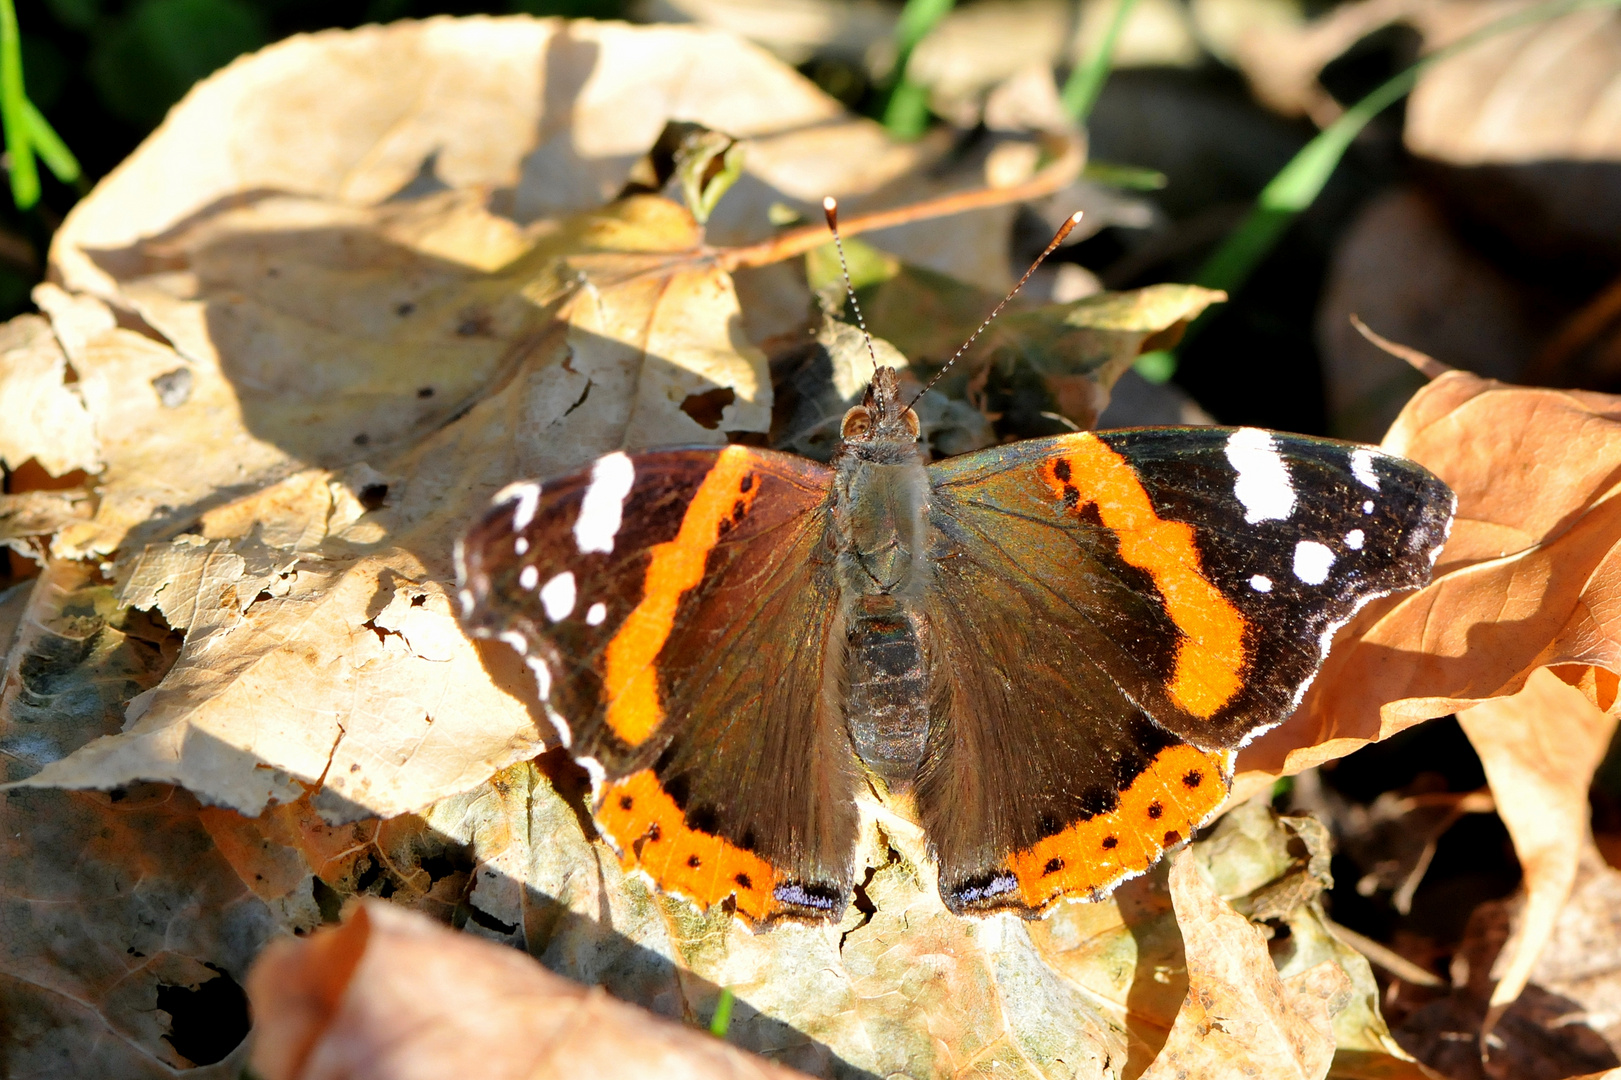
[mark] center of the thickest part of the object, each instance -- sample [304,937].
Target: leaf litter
[256,608]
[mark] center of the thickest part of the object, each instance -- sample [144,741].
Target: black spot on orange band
[652,834]
[1210,654]
[1089,857]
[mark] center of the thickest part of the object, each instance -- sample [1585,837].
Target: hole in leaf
[208,1022]
[705,408]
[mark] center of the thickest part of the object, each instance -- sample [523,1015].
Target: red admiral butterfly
[1049,649]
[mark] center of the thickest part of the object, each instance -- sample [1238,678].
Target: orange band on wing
[1176,794]
[1210,655]
[650,832]
[629,679]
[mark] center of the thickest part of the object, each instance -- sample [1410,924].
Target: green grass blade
[52,150]
[906,110]
[1085,83]
[13,109]
[722,1020]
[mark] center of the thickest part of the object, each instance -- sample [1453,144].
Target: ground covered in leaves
[357,282]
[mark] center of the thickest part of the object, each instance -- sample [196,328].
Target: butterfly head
[883,417]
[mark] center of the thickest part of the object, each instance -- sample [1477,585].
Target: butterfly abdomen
[888,682]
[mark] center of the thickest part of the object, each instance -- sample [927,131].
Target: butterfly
[1048,650]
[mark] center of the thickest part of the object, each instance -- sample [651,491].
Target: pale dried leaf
[1548,91]
[46,419]
[1539,749]
[1240,1018]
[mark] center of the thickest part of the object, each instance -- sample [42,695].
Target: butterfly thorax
[879,535]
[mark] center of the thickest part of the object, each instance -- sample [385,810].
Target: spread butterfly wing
[675,606]
[1140,602]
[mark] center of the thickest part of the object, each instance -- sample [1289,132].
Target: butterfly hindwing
[1114,611]
[675,605]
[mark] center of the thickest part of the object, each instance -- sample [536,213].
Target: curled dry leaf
[1539,748]
[1240,1018]
[350,1003]
[1528,579]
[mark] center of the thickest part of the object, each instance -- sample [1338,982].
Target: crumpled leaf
[1240,1018]
[1091,984]
[46,419]
[1128,952]
[1527,579]
[1539,749]
[1559,1024]
[348,1003]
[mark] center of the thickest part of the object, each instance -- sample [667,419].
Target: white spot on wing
[526,493]
[1261,583]
[1367,506]
[1353,539]
[1312,562]
[520,546]
[1362,468]
[528,577]
[596,613]
[604,502]
[1263,479]
[557,596]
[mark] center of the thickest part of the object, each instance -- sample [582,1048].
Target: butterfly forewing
[675,606]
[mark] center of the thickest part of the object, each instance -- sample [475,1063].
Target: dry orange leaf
[394,996]
[1539,748]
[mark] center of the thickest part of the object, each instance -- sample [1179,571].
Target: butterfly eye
[910,418]
[857,422]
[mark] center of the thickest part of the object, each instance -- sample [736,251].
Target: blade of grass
[49,145]
[722,1020]
[1297,185]
[1129,177]
[1085,83]
[906,110]
[19,151]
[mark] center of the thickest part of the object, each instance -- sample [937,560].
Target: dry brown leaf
[350,1003]
[1239,1018]
[126,938]
[1539,748]
[1527,580]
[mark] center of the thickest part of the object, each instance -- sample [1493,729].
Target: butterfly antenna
[1058,238]
[830,207]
